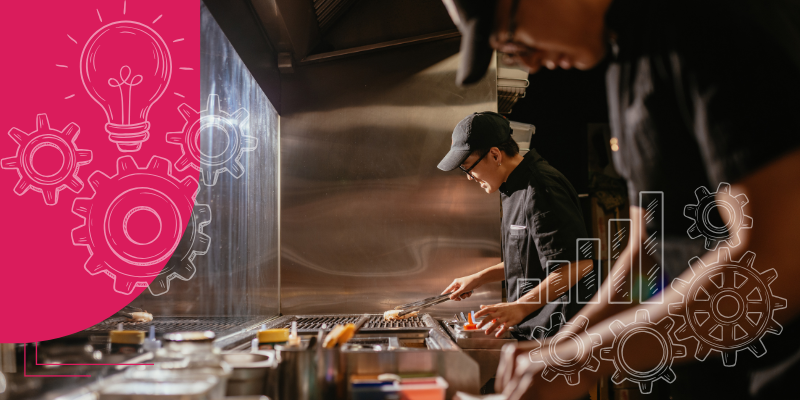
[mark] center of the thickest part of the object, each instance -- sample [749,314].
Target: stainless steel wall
[367,220]
[239,274]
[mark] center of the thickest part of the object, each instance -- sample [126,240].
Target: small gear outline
[700,213]
[571,368]
[195,241]
[642,325]
[112,250]
[45,136]
[210,166]
[732,282]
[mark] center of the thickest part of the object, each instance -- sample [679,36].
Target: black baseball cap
[478,131]
[474,19]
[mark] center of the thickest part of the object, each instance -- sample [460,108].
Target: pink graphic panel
[92,204]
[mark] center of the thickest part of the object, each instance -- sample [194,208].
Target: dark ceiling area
[274,37]
[370,22]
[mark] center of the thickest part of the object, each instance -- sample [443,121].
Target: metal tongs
[425,303]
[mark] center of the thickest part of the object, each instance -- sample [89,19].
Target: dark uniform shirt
[702,92]
[542,221]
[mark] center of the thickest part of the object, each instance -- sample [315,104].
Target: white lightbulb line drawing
[124,76]
[125,67]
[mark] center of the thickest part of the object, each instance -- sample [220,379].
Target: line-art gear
[25,161]
[701,214]
[114,247]
[223,155]
[727,301]
[643,326]
[193,243]
[555,365]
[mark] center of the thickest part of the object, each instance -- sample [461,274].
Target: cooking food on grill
[394,315]
[143,316]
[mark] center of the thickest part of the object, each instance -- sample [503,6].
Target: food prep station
[338,211]
[420,346]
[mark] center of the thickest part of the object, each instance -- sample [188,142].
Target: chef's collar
[520,176]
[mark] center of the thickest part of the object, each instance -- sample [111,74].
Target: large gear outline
[44,136]
[701,214]
[642,325]
[554,365]
[210,166]
[727,280]
[195,241]
[104,232]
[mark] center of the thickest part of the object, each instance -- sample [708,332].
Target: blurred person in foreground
[701,93]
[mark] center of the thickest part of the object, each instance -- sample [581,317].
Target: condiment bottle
[470,325]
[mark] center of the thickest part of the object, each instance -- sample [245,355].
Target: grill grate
[376,322]
[181,324]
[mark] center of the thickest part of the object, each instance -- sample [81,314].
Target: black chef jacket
[702,92]
[542,221]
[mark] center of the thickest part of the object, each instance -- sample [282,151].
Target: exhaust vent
[512,82]
[328,11]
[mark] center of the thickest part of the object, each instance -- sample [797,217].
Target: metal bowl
[250,372]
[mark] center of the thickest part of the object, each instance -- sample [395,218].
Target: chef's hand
[461,286]
[502,316]
[518,377]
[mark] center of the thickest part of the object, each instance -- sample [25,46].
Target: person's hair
[509,147]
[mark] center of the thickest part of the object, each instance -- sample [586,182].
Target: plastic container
[522,135]
[125,342]
[423,388]
[374,390]
[269,338]
[470,325]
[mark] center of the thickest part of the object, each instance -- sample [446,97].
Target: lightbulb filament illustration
[124,75]
[126,67]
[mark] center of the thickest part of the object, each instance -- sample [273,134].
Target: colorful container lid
[273,335]
[126,337]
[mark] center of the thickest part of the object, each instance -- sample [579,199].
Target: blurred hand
[501,316]
[513,356]
[520,378]
[461,286]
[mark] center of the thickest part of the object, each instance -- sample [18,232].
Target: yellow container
[268,338]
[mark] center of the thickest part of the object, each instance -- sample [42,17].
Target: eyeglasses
[467,170]
[510,48]
[512,21]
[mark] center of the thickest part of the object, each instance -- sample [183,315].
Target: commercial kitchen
[298,245]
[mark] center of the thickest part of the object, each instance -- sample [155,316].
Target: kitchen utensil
[249,372]
[425,303]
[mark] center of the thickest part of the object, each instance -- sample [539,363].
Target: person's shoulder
[545,175]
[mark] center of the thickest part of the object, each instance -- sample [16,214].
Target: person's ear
[497,156]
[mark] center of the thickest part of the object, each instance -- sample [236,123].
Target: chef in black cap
[541,223]
[703,96]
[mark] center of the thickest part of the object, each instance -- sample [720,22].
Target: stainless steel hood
[314,30]
[367,221]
